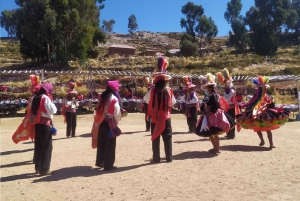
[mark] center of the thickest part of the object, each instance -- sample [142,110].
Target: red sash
[158,117]
[98,119]
[26,129]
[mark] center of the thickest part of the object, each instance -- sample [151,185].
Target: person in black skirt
[214,120]
[105,129]
[43,108]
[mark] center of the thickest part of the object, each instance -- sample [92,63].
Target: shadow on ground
[244,148]
[16,164]
[15,151]
[83,171]
[193,155]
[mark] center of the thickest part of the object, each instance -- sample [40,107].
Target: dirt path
[243,171]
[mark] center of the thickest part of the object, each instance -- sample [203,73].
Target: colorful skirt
[271,119]
[216,123]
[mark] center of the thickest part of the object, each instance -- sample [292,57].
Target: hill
[220,56]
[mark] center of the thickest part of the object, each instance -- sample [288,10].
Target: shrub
[296,51]
[141,92]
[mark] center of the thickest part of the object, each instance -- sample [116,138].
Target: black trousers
[71,123]
[167,138]
[106,150]
[192,120]
[231,133]
[42,147]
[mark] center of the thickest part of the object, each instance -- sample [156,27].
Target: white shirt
[193,100]
[71,103]
[117,109]
[49,106]
[229,96]
[147,97]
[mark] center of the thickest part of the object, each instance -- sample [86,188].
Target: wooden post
[135,88]
[177,81]
[42,76]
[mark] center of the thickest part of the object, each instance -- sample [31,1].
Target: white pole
[298,98]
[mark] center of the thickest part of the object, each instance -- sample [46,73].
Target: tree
[238,26]
[206,27]
[66,29]
[266,20]
[107,26]
[193,13]
[132,24]
[188,48]
[296,7]
[234,8]
[8,22]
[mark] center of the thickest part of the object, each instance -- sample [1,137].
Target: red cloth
[80,97]
[98,119]
[26,129]
[239,98]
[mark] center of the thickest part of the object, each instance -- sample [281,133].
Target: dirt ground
[243,170]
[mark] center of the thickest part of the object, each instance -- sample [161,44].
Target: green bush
[296,50]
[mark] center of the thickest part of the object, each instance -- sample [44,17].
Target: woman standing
[192,104]
[70,105]
[160,99]
[214,120]
[43,109]
[105,129]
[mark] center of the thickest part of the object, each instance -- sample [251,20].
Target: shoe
[36,172]
[169,161]
[147,130]
[68,136]
[229,138]
[109,169]
[46,173]
[73,136]
[99,166]
[153,162]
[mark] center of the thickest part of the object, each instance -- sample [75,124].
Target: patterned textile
[219,120]
[265,118]
[114,130]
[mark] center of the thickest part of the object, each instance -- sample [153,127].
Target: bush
[189,48]
[141,92]
[296,50]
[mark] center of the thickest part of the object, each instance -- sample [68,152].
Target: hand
[73,99]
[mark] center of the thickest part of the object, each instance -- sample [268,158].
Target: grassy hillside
[285,62]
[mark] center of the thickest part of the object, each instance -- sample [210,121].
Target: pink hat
[48,88]
[114,85]
[71,88]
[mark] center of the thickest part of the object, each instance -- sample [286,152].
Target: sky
[154,15]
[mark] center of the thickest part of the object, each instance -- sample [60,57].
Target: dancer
[105,129]
[229,95]
[160,99]
[44,108]
[71,104]
[37,125]
[192,104]
[261,114]
[214,120]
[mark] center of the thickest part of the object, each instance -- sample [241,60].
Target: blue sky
[155,15]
